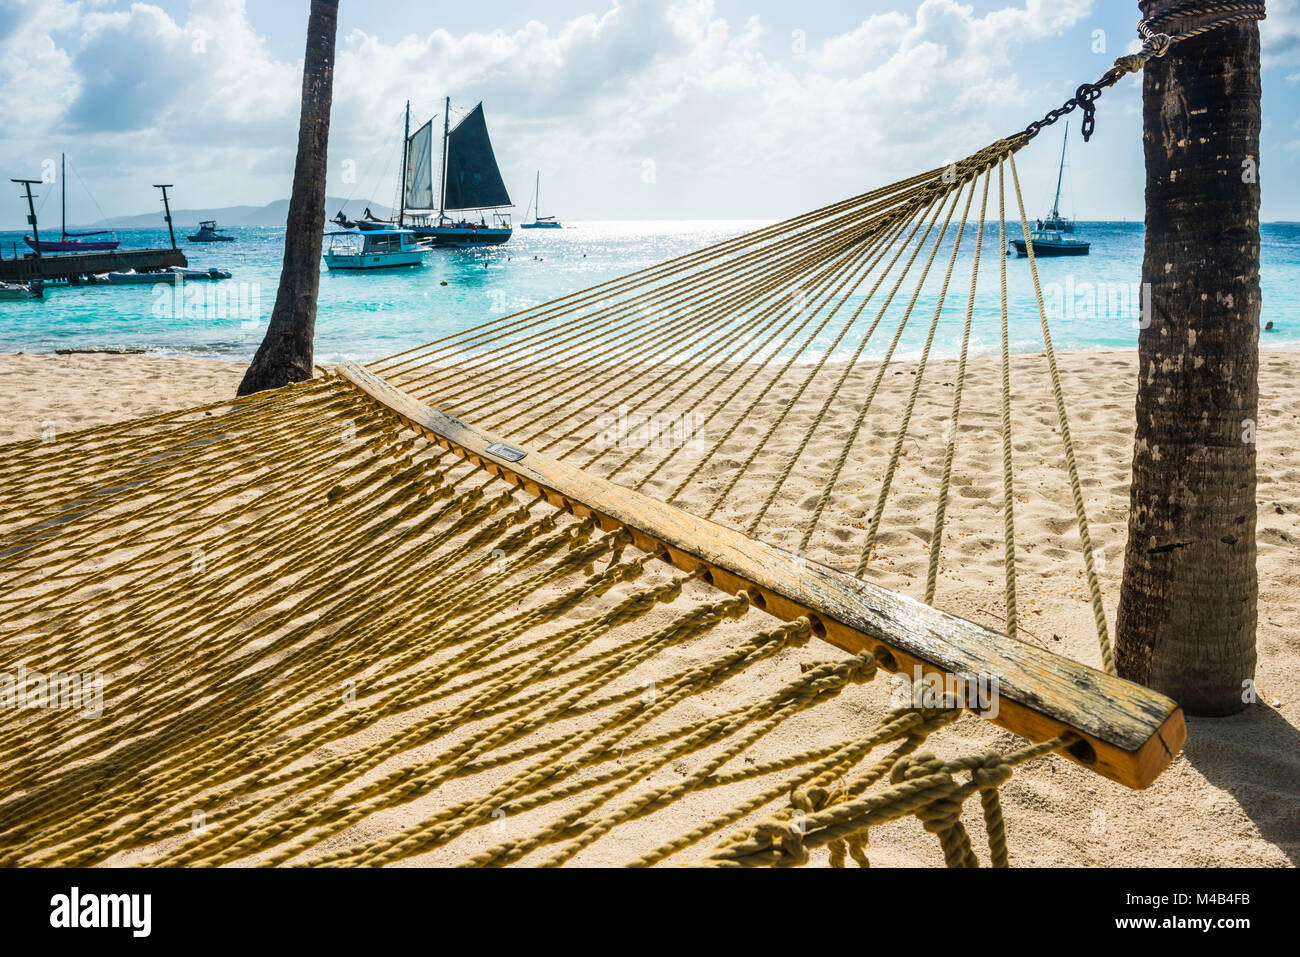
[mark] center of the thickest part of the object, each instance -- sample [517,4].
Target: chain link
[1155,43]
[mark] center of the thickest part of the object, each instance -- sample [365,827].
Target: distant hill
[273,214]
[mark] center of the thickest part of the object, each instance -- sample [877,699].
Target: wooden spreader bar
[1130,733]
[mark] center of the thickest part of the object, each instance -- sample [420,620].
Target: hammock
[423,610]
[338,627]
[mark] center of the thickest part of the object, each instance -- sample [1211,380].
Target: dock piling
[31,211]
[168,210]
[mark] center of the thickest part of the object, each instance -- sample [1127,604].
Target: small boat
[535,204]
[202,275]
[18,290]
[470,181]
[1054,235]
[368,223]
[208,233]
[375,249]
[72,242]
[132,278]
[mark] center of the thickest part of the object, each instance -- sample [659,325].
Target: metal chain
[1155,43]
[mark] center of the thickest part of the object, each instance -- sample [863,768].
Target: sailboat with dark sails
[469,181]
[71,242]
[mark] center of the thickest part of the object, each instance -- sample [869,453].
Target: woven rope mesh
[807,349]
[345,647]
[287,631]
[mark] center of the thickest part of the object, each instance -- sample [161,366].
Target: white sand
[1232,798]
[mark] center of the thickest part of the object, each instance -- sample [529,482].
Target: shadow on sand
[1255,757]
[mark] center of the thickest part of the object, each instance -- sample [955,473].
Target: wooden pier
[77,267]
[74,267]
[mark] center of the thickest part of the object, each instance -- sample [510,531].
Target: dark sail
[473,177]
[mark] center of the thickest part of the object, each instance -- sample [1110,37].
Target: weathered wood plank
[1131,734]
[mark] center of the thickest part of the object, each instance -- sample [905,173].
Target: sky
[631,109]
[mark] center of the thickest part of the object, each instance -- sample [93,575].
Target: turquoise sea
[1093,302]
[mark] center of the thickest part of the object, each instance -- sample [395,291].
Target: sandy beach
[1231,799]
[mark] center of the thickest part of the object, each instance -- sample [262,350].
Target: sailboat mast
[63,199]
[537,212]
[406,165]
[446,134]
[1060,178]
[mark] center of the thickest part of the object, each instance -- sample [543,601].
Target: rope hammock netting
[377,627]
[333,631]
[741,333]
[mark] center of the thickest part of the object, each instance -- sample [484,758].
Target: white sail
[419,169]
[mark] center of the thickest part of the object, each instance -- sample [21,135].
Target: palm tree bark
[1187,612]
[285,355]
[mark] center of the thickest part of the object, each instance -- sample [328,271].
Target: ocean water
[1093,302]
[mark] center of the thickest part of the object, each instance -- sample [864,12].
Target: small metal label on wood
[506,452]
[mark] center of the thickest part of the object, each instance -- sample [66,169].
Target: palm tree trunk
[1187,612]
[285,355]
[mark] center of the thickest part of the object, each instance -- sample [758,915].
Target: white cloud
[133,93]
[735,122]
[1279,34]
[30,60]
[682,87]
[590,100]
[142,70]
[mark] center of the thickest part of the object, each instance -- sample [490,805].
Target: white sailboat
[1054,236]
[535,204]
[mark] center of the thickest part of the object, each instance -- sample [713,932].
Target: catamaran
[72,242]
[1054,236]
[469,179]
[535,204]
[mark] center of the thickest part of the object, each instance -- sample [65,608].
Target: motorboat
[209,233]
[375,249]
[132,278]
[21,290]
